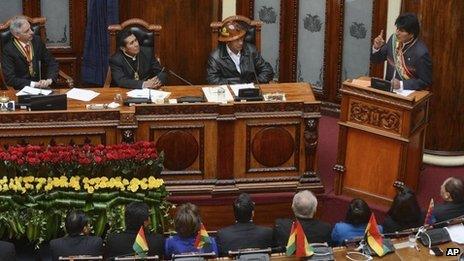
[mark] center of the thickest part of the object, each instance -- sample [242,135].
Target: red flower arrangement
[127,160]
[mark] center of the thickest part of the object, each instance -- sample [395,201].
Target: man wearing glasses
[23,57]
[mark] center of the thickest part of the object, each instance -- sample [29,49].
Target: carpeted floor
[334,207]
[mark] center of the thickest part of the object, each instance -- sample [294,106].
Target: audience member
[22,56]
[452,192]
[7,251]
[136,216]
[244,233]
[236,61]
[355,223]
[404,212]
[187,224]
[135,67]
[304,207]
[77,241]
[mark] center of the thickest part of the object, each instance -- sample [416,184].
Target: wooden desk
[210,148]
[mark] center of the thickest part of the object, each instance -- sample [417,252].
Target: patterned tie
[28,52]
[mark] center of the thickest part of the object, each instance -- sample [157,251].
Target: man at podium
[409,65]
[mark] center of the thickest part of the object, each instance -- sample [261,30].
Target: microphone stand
[179,77]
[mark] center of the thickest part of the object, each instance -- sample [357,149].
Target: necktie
[28,52]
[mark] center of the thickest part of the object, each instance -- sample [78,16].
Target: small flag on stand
[374,239]
[297,242]
[429,217]
[140,244]
[202,238]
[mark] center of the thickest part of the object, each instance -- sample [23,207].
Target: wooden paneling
[185,40]
[442,29]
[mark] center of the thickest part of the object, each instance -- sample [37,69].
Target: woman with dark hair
[404,212]
[452,192]
[187,224]
[356,220]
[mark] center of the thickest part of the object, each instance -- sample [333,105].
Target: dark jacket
[76,245]
[417,60]
[221,69]
[123,75]
[390,225]
[448,210]
[16,69]
[120,244]
[315,230]
[7,251]
[243,235]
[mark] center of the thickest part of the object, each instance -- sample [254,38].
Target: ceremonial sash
[29,55]
[398,58]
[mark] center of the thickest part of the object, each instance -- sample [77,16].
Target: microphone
[279,249]
[177,76]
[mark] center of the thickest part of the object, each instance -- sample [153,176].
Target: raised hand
[379,41]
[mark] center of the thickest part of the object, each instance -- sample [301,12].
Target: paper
[456,233]
[27,90]
[362,83]
[236,87]
[148,93]
[403,92]
[81,94]
[219,94]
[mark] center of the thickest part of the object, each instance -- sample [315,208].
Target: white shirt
[235,58]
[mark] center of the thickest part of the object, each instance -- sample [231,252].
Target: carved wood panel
[375,116]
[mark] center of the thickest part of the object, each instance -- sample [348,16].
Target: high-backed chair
[252,27]
[38,27]
[147,35]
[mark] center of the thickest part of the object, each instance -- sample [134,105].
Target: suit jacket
[123,75]
[243,235]
[417,60]
[221,69]
[344,231]
[121,244]
[7,251]
[178,245]
[315,230]
[16,69]
[448,210]
[76,245]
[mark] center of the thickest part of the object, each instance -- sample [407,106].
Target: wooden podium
[381,140]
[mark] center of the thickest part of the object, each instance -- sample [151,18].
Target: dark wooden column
[442,29]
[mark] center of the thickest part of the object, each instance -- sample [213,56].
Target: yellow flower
[3,180]
[5,187]
[28,179]
[90,190]
[134,188]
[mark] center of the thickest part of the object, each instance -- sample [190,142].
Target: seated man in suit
[120,244]
[24,56]
[7,251]
[452,192]
[236,61]
[244,233]
[304,207]
[135,67]
[78,241]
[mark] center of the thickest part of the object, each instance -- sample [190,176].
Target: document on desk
[456,233]
[81,94]
[236,87]
[148,93]
[219,94]
[403,92]
[27,90]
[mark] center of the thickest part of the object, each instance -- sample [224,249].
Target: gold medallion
[136,76]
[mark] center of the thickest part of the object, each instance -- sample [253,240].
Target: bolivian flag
[429,217]
[374,238]
[297,242]
[202,238]
[140,244]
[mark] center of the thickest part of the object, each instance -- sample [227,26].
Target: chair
[252,27]
[147,35]
[38,27]
[80,258]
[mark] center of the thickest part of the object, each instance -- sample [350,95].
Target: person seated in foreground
[236,61]
[355,223]
[77,241]
[304,207]
[120,244]
[244,233]
[23,56]
[7,251]
[187,224]
[452,192]
[135,67]
[404,212]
